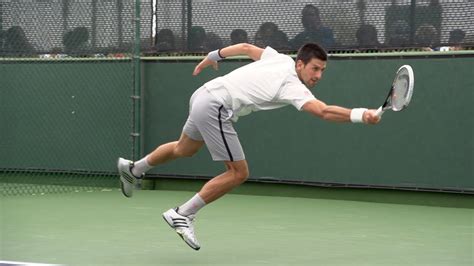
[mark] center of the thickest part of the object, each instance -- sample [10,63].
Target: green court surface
[105,228]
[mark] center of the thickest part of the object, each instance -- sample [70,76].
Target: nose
[318,75]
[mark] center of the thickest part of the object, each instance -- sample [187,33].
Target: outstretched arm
[340,114]
[250,50]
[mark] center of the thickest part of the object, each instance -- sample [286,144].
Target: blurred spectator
[57,52]
[398,34]
[458,41]
[212,42]
[164,41]
[426,37]
[76,40]
[238,36]
[15,41]
[469,42]
[269,35]
[456,38]
[280,41]
[265,34]
[367,37]
[314,30]
[197,39]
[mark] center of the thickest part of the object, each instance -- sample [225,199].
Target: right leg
[188,144]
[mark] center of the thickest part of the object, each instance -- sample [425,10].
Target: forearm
[251,51]
[335,113]
[241,49]
[328,112]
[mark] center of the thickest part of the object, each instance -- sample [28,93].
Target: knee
[241,175]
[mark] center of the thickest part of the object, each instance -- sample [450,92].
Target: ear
[299,64]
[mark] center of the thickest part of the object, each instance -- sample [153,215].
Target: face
[310,73]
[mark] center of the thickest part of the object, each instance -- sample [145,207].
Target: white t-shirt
[265,84]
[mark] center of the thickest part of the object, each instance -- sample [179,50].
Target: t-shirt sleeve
[268,52]
[296,95]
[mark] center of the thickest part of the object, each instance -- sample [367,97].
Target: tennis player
[274,80]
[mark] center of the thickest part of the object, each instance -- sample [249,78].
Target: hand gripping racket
[400,94]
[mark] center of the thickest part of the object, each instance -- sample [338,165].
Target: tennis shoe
[183,225]
[127,179]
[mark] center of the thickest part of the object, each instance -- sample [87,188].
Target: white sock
[191,206]
[141,167]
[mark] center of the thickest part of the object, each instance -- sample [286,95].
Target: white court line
[18,263]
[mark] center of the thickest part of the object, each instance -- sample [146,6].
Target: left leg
[182,218]
[236,174]
[224,145]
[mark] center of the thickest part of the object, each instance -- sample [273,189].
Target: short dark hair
[310,51]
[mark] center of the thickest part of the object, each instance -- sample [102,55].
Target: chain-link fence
[69,100]
[336,24]
[106,28]
[71,28]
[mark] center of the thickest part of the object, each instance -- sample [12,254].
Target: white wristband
[215,56]
[357,115]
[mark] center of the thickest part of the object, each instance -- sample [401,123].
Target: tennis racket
[400,94]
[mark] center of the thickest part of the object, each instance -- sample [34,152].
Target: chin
[310,86]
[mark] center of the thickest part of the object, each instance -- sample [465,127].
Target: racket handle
[379,112]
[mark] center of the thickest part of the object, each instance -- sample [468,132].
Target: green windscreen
[427,146]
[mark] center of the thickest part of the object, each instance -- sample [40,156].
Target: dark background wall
[65,115]
[78,115]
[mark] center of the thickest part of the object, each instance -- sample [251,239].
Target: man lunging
[272,81]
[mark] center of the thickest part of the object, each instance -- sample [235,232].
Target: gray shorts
[209,121]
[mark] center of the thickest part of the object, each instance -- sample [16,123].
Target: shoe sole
[122,181]
[171,225]
[123,190]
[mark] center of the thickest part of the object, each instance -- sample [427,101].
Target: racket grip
[379,112]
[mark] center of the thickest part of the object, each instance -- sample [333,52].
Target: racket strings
[400,95]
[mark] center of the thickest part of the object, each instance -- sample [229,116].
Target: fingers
[203,64]
[197,70]
[370,117]
[375,119]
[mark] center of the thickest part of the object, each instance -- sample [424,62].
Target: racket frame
[387,104]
